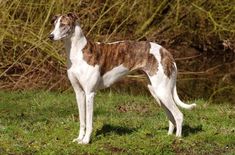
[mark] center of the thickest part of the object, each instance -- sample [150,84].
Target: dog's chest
[81,71]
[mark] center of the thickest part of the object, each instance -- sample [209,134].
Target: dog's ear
[54,18]
[72,15]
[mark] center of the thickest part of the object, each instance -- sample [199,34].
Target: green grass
[46,122]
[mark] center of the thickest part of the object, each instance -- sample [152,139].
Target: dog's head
[64,26]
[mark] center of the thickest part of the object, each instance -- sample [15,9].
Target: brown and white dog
[93,66]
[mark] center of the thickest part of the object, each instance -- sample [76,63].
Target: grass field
[46,122]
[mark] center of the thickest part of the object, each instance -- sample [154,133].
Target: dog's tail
[180,103]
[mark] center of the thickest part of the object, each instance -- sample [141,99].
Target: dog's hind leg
[170,116]
[151,90]
[172,111]
[171,128]
[162,90]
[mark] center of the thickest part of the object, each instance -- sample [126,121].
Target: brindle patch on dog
[66,20]
[54,19]
[167,62]
[130,54]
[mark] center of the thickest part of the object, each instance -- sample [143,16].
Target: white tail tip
[192,106]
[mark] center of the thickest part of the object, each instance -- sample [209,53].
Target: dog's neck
[74,45]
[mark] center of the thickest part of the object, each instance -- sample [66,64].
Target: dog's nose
[51,36]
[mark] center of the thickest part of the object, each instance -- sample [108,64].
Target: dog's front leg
[80,98]
[89,117]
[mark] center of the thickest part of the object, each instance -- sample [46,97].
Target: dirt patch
[217,150]
[133,106]
[114,149]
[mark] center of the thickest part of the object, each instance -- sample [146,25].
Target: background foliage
[199,33]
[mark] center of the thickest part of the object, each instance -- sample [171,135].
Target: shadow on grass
[187,130]
[120,130]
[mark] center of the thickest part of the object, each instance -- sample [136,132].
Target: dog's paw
[81,141]
[85,140]
[78,140]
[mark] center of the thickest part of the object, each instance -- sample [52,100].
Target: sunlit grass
[46,122]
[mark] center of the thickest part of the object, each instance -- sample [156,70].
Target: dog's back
[130,54]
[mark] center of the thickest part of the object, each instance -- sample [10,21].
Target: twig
[100,17]
[186,58]
[150,20]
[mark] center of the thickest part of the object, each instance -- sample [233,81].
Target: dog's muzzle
[51,36]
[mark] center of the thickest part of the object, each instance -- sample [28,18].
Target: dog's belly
[112,76]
